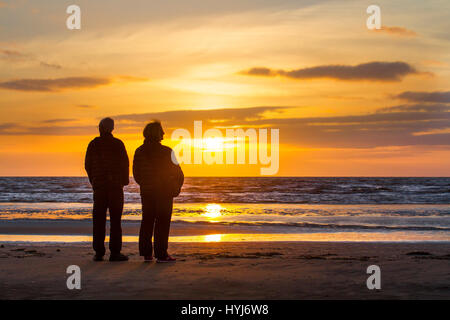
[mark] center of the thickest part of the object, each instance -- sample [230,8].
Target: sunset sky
[348,101]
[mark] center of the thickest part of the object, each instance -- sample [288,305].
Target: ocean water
[410,209]
[245,190]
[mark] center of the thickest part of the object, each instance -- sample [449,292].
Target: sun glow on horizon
[213,144]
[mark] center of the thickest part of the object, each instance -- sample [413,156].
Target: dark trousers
[156,216]
[107,198]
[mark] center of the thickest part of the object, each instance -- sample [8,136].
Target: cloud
[428,108]
[50,129]
[17,57]
[55,85]
[62,120]
[396,31]
[133,123]
[422,96]
[13,55]
[6,126]
[375,71]
[50,65]
[377,129]
[179,118]
[434,63]
[436,131]
[86,106]
[261,71]
[393,126]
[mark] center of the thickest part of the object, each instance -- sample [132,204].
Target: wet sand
[263,270]
[70,227]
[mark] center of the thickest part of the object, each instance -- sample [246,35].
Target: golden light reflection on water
[213,210]
[213,238]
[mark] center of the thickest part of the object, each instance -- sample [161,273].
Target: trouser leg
[115,202]
[99,221]
[162,227]
[147,223]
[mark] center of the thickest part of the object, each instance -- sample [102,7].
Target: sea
[243,209]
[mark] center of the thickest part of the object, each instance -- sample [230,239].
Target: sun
[213,144]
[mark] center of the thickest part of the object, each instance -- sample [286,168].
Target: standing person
[160,180]
[107,167]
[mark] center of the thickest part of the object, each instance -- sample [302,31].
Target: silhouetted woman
[160,180]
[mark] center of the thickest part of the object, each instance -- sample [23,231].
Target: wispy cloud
[50,65]
[179,118]
[55,85]
[396,31]
[375,71]
[434,132]
[427,108]
[13,55]
[85,106]
[423,96]
[61,120]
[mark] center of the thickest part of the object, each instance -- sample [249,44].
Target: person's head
[106,125]
[154,131]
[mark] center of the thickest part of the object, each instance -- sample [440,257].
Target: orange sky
[347,101]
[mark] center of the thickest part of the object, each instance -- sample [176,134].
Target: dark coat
[155,172]
[106,162]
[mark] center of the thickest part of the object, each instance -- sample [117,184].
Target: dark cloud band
[52,85]
[421,96]
[375,71]
[392,126]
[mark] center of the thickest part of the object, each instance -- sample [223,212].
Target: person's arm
[176,171]
[179,176]
[125,164]
[88,160]
[137,167]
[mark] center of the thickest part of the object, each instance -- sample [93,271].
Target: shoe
[148,258]
[166,259]
[118,257]
[98,257]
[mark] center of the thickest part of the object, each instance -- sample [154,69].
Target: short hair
[153,131]
[106,125]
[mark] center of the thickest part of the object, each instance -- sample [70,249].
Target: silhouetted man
[160,180]
[107,167]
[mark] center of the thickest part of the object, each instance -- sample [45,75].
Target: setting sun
[214,144]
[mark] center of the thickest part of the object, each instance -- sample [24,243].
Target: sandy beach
[251,270]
